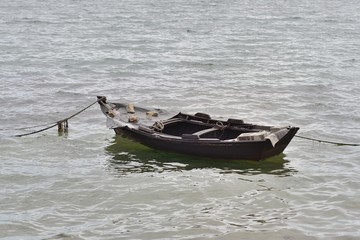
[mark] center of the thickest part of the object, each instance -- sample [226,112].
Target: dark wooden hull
[246,150]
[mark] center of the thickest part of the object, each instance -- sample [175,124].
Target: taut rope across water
[62,124]
[63,127]
[329,142]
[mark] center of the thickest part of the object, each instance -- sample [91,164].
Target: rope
[159,125]
[330,142]
[34,132]
[24,128]
[220,125]
[59,123]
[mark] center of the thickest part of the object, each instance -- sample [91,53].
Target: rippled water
[271,62]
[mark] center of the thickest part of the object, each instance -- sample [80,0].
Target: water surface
[268,62]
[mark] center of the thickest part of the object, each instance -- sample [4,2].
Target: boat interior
[203,127]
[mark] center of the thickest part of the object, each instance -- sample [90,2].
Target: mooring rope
[330,142]
[29,127]
[63,126]
[61,123]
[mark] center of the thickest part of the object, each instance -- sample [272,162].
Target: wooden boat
[197,134]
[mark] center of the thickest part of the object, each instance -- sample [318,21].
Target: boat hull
[198,134]
[246,150]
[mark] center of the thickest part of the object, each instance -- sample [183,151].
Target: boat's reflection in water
[131,157]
